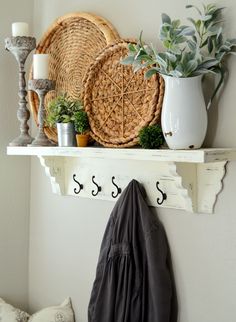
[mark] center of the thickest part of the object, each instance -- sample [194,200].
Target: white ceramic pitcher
[184,113]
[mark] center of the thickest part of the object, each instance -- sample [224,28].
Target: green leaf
[194,39]
[171,57]
[187,31]
[140,39]
[191,6]
[141,52]
[216,11]
[204,43]
[225,48]
[191,66]
[206,18]
[198,24]
[166,44]
[149,50]
[219,32]
[219,56]
[192,45]
[163,34]
[176,23]
[165,18]
[143,57]
[175,73]
[180,39]
[132,48]
[219,41]
[151,72]
[179,68]
[214,30]
[200,71]
[210,45]
[127,60]
[232,41]
[161,60]
[209,63]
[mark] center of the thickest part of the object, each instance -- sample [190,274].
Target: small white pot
[184,113]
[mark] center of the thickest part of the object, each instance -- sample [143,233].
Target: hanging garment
[134,278]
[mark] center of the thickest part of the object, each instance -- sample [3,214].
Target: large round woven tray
[118,101]
[73,41]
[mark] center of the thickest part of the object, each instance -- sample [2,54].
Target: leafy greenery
[189,50]
[62,109]
[81,122]
[151,137]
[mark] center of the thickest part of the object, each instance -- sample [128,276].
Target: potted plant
[61,112]
[151,137]
[190,52]
[82,127]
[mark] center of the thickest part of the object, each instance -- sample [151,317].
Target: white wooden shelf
[191,179]
[196,156]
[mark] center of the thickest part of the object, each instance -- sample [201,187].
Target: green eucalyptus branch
[189,50]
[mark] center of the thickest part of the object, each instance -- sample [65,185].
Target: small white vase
[184,113]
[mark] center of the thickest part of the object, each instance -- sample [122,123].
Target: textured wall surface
[65,233]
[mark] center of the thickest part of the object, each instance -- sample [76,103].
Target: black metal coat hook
[98,187]
[164,195]
[113,194]
[77,191]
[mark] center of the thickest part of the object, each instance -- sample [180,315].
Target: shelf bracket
[54,169]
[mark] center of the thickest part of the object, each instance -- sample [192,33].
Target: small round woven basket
[118,101]
[73,41]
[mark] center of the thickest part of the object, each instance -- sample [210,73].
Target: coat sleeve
[162,297]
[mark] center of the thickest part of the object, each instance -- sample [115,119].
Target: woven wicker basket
[118,101]
[73,41]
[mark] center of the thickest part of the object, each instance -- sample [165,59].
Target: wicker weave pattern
[73,42]
[118,101]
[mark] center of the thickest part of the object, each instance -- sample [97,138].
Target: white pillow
[9,313]
[61,313]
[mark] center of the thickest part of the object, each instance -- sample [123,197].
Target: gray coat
[134,278]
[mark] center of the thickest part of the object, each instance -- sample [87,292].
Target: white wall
[66,232]
[14,171]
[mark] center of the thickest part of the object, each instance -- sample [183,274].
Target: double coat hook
[164,195]
[99,188]
[118,190]
[81,187]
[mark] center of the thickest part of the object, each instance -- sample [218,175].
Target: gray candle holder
[41,87]
[21,47]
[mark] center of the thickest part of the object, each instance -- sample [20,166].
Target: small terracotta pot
[82,140]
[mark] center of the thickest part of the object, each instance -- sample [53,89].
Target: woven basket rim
[106,28]
[89,82]
[104,25]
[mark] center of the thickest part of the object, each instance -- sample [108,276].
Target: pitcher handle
[220,71]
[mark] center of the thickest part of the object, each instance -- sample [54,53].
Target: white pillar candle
[40,66]
[20,29]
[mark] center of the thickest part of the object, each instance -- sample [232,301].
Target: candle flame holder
[21,47]
[41,87]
